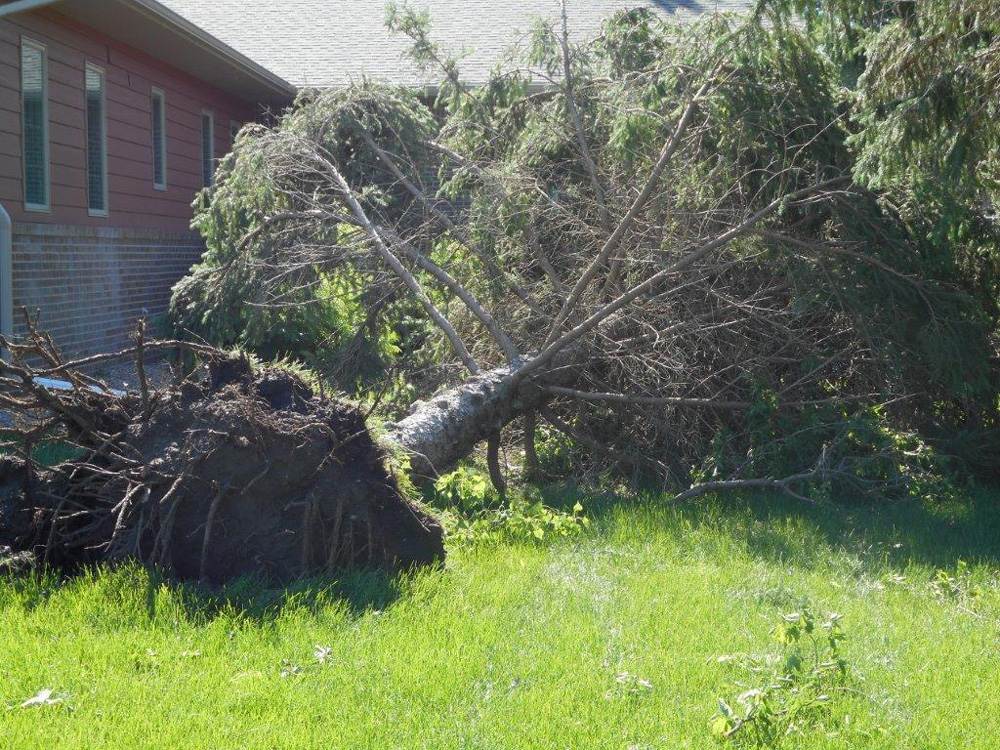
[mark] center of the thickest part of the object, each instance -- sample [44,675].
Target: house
[114,112]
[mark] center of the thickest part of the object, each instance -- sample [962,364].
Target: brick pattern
[93,283]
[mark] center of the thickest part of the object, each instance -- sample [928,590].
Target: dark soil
[243,472]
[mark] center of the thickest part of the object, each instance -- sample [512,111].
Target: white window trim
[209,179]
[158,92]
[47,206]
[101,212]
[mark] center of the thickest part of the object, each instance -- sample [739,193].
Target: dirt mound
[241,471]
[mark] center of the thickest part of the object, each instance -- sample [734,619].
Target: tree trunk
[445,429]
[493,448]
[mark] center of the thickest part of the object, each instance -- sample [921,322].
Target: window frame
[207,180]
[42,49]
[87,68]
[157,92]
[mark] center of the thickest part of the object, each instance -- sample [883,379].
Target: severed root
[229,473]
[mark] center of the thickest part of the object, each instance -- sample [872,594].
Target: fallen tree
[662,254]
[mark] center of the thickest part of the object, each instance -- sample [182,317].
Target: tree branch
[694,256]
[782,485]
[457,232]
[581,137]
[711,403]
[467,297]
[612,243]
[400,270]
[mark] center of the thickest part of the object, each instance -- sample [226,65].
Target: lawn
[607,640]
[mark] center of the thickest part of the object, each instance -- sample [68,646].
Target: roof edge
[162,13]
[22,6]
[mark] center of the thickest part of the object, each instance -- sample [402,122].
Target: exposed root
[233,471]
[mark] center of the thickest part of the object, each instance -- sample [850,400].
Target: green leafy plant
[473,511]
[790,689]
[555,450]
[465,488]
[956,587]
[522,518]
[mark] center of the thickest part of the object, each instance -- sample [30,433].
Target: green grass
[520,644]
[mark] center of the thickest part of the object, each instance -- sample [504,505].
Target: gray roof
[325,43]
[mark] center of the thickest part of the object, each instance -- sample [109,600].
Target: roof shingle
[322,43]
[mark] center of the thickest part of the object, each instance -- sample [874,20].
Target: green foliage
[921,82]
[879,459]
[924,87]
[783,103]
[401,18]
[557,455]
[252,290]
[790,689]
[473,511]
[465,487]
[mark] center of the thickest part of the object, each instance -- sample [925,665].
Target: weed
[473,511]
[957,587]
[628,685]
[791,689]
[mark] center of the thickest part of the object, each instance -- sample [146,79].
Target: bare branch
[457,232]
[694,256]
[612,243]
[467,297]
[581,137]
[400,270]
[710,403]
[782,485]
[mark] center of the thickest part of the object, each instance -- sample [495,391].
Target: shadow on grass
[772,526]
[257,599]
[876,536]
[150,594]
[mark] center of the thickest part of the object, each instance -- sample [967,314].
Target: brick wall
[93,283]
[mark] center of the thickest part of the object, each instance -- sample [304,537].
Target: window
[97,155]
[207,148]
[234,130]
[35,125]
[158,110]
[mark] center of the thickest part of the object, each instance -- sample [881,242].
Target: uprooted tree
[653,242]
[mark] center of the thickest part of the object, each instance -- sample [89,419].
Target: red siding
[130,76]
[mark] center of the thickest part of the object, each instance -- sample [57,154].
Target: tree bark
[443,430]
[493,463]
